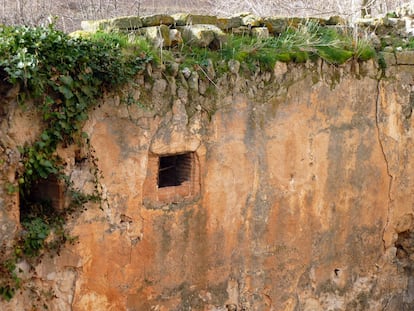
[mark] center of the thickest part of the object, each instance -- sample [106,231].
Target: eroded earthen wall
[299,196]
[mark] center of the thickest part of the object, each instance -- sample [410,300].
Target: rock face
[294,192]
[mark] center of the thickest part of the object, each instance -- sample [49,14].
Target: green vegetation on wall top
[298,44]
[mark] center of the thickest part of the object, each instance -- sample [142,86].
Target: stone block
[260,32]
[120,23]
[201,35]
[389,58]
[157,20]
[276,25]
[183,19]
[405,57]
[175,37]
[229,23]
[336,20]
[250,20]
[159,35]
[241,31]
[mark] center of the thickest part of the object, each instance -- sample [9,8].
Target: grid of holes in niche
[174,170]
[172,178]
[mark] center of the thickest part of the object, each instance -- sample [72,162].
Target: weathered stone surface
[159,35]
[241,31]
[336,20]
[157,20]
[202,35]
[176,136]
[405,57]
[175,37]
[185,19]
[229,23]
[234,66]
[389,57]
[121,23]
[276,25]
[304,195]
[260,32]
[251,20]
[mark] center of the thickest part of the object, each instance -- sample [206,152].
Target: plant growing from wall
[299,43]
[63,77]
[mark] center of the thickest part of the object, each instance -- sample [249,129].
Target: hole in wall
[172,179]
[173,170]
[45,197]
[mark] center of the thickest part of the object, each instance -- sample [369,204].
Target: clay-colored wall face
[302,187]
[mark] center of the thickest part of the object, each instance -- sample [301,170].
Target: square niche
[171,178]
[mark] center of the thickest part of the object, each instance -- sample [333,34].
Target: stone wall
[165,31]
[297,193]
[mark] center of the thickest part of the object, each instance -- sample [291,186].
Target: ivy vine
[63,76]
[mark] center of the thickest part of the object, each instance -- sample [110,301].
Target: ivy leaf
[44,136]
[88,91]
[66,80]
[65,91]
[46,163]
[42,173]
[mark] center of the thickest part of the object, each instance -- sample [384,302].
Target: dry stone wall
[205,30]
[291,190]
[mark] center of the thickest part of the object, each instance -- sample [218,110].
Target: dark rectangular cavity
[174,169]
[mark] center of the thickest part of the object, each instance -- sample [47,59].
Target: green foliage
[63,77]
[11,188]
[65,83]
[409,44]
[364,51]
[197,56]
[297,44]
[10,281]
[35,232]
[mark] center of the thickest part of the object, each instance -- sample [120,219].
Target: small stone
[120,23]
[210,69]
[251,20]
[280,68]
[335,20]
[193,81]
[231,307]
[148,70]
[173,68]
[389,57]
[158,35]
[229,23]
[202,35]
[234,66]
[186,72]
[260,32]
[202,87]
[405,57]
[157,20]
[175,37]
[185,19]
[276,25]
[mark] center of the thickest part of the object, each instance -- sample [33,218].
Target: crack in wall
[381,144]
